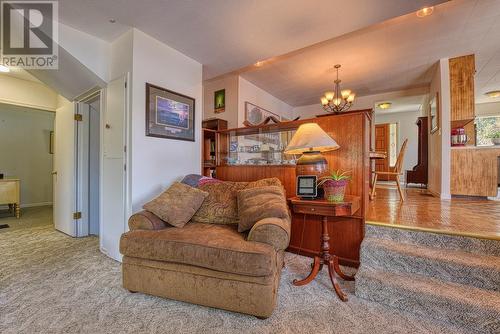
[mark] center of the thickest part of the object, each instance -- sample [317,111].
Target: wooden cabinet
[9,194]
[352,132]
[209,156]
[462,70]
[420,171]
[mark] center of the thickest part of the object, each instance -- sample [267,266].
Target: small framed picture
[434,113]
[169,114]
[220,101]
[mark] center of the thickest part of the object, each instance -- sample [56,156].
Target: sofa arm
[272,231]
[145,220]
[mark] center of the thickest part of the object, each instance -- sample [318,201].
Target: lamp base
[312,163]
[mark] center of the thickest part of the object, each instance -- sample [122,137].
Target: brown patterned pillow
[221,206]
[255,204]
[177,204]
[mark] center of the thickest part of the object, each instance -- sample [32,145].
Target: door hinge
[125,167]
[78,117]
[77,215]
[125,84]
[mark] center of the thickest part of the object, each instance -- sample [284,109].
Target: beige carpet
[51,283]
[30,217]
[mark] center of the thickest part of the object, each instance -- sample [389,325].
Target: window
[485,126]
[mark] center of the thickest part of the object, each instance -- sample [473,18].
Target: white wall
[157,162]
[407,129]
[230,84]
[26,93]
[91,51]
[488,109]
[439,142]
[247,91]
[361,102]
[24,151]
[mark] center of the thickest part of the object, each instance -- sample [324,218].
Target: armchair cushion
[145,220]
[177,204]
[216,247]
[271,231]
[255,204]
[220,206]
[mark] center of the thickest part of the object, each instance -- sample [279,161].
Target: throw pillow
[255,204]
[221,205]
[177,204]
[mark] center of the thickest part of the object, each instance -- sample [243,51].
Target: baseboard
[31,205]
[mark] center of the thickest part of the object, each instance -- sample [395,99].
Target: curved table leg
[336,286]
[312,275]
[339,271]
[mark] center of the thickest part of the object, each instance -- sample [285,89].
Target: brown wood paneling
[462,70]
[474,171]
[352,133]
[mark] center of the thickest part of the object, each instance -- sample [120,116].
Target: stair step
[465,306]
[481,271]
[436,240]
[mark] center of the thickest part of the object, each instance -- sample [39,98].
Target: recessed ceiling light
[426,11]
[112,21]
[384,105]
[259,63]
[493,93]
[4,69]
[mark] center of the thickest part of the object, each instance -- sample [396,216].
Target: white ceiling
[393,55]
[401,104]
[227,35]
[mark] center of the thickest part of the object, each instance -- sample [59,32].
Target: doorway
[88,165]
[386,140]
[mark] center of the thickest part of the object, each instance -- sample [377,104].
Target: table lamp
[310,141]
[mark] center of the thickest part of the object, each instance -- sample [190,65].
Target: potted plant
[495,137]
[334,185]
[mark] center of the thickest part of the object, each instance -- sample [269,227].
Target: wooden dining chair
[396,172]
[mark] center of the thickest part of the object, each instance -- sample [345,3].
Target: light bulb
[337,101]
[345,93]
[329,95]
[351,97]
[324,101]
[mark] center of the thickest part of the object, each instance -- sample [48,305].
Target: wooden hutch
[351,130]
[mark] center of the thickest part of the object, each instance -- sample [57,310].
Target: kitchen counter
[470,147]
[474,170]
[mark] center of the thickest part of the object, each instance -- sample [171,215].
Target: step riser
[471,317]
[442,241]
[380,258]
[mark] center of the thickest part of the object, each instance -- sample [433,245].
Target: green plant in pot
[495,137]
[334,185]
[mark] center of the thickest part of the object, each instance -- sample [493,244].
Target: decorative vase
[496,141]
[334,190]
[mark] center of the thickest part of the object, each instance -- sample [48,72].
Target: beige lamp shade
[311,137]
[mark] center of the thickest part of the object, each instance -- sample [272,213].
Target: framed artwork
[434,112]
[256,115]
[51,142]
[169,114]
[220,101]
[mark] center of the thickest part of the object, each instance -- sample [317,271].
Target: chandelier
[338,100]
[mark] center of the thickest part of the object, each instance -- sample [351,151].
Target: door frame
[81,173]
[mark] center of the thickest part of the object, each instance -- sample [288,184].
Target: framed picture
[434,112]
[220,101]
[169,114]
[51,142]
[256,115]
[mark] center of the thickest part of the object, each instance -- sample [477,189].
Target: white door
[64,169]
[114,176]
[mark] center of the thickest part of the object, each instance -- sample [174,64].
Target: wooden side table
[9,194]
[325,209]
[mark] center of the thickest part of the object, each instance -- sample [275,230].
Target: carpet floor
[52,283]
